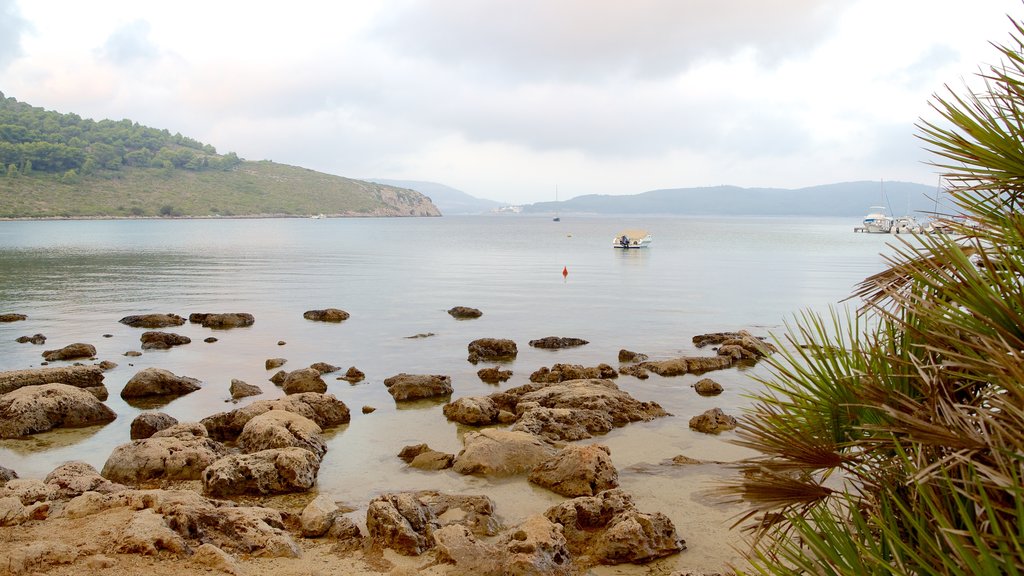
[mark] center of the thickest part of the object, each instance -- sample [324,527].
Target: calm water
[397,277]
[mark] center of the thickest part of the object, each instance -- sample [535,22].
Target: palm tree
[891,440]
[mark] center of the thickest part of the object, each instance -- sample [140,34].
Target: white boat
[628,239]
[906,225]
[877,222]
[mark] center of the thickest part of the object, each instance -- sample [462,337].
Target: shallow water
[397,277]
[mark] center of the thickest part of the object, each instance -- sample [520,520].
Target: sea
[531,277]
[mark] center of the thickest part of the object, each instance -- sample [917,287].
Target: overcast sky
[507,99]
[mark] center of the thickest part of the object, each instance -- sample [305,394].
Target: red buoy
[565,271]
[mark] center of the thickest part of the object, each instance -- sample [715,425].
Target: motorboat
[877,222]
[906,225]
[628,239]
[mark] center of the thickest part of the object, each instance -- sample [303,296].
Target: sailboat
[556,218]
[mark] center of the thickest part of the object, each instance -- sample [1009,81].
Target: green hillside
[60,165]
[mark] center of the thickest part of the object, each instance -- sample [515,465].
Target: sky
[509,99]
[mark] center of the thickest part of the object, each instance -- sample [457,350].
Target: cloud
[129,44]
[12,26]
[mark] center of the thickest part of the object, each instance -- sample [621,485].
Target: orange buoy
[565,271]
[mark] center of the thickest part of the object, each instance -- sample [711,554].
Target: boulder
[707,387]
[464,313]
[34,409]
[318,516]
[222,321]
[9,317]
[577,471]
[272,363]
[304,380]
[600,395]
[494,452]
[326,315]
[241,389]
[107,365]
[353,375]
[148,533]
[713,421]
[608,529]
[746,347]
[210,339]
[133,353]
[407,453]
[6,474]
[72,479]
[367,409]
[635,370]
[148,423]
[493,375]
[183,430]
[162,458]
[557,342]
[564,424]
[536,547]
[628,356]
[273,471]
[688,364]
[281,429]
[714,338]
[324,367]
[492,350]
[152,320]
[564,372]
[154,340]
[406,521]
[37,339]
[85,377]
[323,409]
[70,352]
[425,458]
[279,377]
[416,386]
[216,559]
[472,411]
[158,382]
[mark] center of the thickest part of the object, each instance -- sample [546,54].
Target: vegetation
[891,441]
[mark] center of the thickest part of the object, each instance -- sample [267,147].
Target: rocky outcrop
[323,409]
[608,529]
[303,380]
[558,342]
[418,386]
[37,339]
[464,313]
[493,375]
[152,321]
[688,365]
[35,409]
[536,547]
[564,372]
[600,395]
[222,321]
[635,370]
[492,350]
[148,423]
[155,340]
[405,522]
[281,429]
[11,317]
[242,389]
[70,352]
[274,471]
[326,315]
[736,345]
[494,452]
[577,471]
[707,387]
[158,382]
[324,367]
[162,458]
[85,377]
[628,356]
[271,363]
[713,421]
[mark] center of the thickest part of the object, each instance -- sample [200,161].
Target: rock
[6,474]
[493,375]
[713,421]
[70,352]
[34,409]
[158,382]
[536,547]
[304,380]
[147,533]
[324,367]
[148,423]
[279,377]
[318,516]
[714,338]
[600,395]
[416,386]
[688,364]
[464,313]
[240,389]
[272,363]
[492,350]
[433,460]
[455,544]
[152,321]
[12,317]
[183,430]
[326,315]
[72,479]
[368,409]
[162,458]
[577,471]
[107,365]
[707,387]
[564,424]
[608,529]
[36,557]
[13,512]
[564,372]
[34,339]
[209,340]
[281,342]
[222,321]
[636,370]
[274,471]
[353,375]
[472,411]
[406,521]
[213,557]
[281,429]
[556,342]
[627,356]
[407,453]
[162,340]
[323,409]
[77,376]
[133,353]
[745,347]
[494,452]
[420,335]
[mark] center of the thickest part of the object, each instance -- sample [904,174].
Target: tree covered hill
[61,165]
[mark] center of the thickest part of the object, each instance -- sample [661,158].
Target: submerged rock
[492,350]
[152,320]
[70,352]
[493,375]
[303,380]
[628,356]
[326,315]
[417,386]
[10,317]
[557,342]
[353,375]
[707,387]
[324,367]
[464,313]
[272,363]
[713,421]
[222,321]
[162,340]
[564,372]
[688,364]
[37,339]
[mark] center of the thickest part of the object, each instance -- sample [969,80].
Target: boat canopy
[632,234]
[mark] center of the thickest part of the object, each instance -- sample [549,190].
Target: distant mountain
[843,199]
[447,199]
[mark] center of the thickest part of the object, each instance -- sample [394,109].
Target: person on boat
[624,241]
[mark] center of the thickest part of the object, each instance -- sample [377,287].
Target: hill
[61,165]
[447,199]
[842,199]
